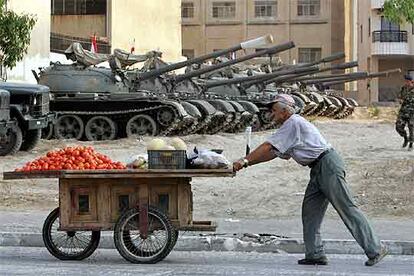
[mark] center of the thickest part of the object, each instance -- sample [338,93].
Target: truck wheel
[10,142]
[30,140]
[48,132]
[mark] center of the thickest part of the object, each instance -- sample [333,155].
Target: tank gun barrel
[253,43]
[369,76]
[269,79]
[269,51]
[384,73]
[259,78]
[322,77]
[328,78]
[327,59]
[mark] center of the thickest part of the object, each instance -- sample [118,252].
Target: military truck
[24,112]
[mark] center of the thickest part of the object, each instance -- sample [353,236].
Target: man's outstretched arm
[264,152]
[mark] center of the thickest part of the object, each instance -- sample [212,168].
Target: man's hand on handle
[238,165]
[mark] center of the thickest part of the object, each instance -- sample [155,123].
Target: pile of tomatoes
[73,158]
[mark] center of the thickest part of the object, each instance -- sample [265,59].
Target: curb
[246,243]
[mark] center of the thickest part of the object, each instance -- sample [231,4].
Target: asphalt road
[37,261]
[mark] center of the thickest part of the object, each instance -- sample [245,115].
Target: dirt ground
[379,171]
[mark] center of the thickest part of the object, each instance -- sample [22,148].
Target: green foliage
[373,111]
[399,11]
[15,32]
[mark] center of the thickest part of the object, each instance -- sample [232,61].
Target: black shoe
[378,258]
[405,143]
[318,261]
[410,146]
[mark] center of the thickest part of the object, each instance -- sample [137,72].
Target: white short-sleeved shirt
[299,139]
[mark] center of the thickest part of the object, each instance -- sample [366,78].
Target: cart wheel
[136,249]
[174,237]
[68,245]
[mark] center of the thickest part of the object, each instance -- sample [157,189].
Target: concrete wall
[367,91]
[38,52]
[204,33]
[154,24]
[79,25]
[388,87]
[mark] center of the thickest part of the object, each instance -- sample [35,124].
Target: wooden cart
[144,208]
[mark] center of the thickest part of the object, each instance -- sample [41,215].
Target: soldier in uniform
[406,113]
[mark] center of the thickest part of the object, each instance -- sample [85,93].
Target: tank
[263,87]
[98,103]
[232,114]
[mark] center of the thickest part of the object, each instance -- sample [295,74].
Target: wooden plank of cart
[144,208]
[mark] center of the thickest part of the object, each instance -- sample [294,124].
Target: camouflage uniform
[406,115]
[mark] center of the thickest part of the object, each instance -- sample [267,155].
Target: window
[265,8]
[187,10]
[123,203]
[189,53]
[369,26]
[309,7]
[388,25]
[309,54]
[164,202]
[224,9]
[83,204]
[73,7]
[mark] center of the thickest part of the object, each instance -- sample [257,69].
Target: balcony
[389,43]
[389,36]
[377,4]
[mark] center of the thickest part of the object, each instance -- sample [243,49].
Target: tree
[15,32]
[399,11]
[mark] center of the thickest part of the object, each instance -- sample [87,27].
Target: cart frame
[98,200]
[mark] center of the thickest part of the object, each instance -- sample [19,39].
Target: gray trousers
[328,185]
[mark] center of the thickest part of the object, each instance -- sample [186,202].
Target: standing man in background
[406,113]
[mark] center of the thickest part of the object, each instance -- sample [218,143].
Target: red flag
[94,46]
[133,46]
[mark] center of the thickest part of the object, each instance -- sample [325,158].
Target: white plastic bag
[207,159]
[138,161]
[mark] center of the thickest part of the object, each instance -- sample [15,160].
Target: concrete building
[381,45]
[143,24]
[316,26]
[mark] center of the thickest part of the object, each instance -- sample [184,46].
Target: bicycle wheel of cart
[68,245]
[135,248]
[174,237]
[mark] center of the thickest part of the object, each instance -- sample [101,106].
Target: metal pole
[248,139]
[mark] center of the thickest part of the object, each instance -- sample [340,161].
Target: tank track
[176,124]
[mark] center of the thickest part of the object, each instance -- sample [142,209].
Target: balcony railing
[59,43]
[389,36]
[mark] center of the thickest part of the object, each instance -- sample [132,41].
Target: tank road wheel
[135,248]
[11,142]
[266,116]
[68,245]
[69,127]
[166,116]
[141,125]
[47,133]
[100,128]
[30,139]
